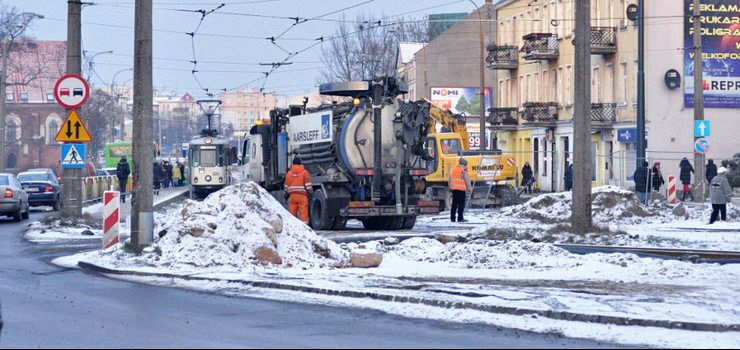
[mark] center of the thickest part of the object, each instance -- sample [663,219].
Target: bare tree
[99,114]
[367,48]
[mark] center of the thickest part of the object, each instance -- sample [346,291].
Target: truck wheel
[393,223]
[340,223]
[320,218]
[19,215]
[371,224]
[408,222]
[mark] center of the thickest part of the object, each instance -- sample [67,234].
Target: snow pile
[229,226]
[609,203]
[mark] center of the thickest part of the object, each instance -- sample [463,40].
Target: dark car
[42,188]
[102,172]
[13,199]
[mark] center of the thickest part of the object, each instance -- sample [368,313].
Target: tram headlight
[208,178]
[195,179]
[220,179]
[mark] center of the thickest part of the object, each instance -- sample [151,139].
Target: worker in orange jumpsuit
[459,185]
[298,186]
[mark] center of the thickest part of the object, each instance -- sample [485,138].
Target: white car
[13,199]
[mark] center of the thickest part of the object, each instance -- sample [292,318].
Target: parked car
[102,172]
[13,199]
[42,188]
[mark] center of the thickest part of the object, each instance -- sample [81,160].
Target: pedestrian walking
[182,173]
[176,175]
[459,186]
[685,177]
[569,177]
[720,193]
[122,172]
[710,170]
[298,187]
[168,174]
[657,177]
[527,178]
[640,177]
[156,177]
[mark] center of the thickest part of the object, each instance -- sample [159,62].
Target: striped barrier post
[111,214]
[671,191]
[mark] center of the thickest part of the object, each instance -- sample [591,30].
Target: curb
[169,200]
[552,314]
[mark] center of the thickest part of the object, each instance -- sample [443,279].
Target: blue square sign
[73,155]
[701,128]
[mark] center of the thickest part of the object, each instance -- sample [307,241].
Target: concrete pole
[698,103]
[72,194]
[481,91]
[6,49]
[142,221]
[581,203]
[640,142]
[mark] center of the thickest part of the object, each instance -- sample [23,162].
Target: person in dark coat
[710,170]
[657,177]
[122,172]
[168,173]
[156,177]
[641,182]
[527,178]
[685,177]
[569,177]
[182,173]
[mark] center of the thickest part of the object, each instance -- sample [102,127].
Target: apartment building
[242,108]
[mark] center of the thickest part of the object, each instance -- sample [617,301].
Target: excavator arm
[454,123]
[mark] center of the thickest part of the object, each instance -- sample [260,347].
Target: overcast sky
[229,44]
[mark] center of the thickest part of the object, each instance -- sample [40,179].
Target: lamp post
[481,92]
[91,60]
[9,34]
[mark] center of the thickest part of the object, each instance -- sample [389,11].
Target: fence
[93,187]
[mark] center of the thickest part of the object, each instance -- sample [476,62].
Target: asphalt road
[45,306]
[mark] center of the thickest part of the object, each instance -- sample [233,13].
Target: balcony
[540,112]
[604,113]
[503,117]
[502,57]
[540,46]
[603,40]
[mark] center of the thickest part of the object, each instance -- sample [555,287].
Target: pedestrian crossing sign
[73,155]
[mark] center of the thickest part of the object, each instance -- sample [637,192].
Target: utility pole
[481,91]
[698,102]
[142,220]
[640,142]
[581,202]
[72,194]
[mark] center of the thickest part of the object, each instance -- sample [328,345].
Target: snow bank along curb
[557,315]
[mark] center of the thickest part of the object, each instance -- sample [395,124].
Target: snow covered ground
[508,262]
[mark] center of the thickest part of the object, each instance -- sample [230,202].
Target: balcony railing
[540,112]
[540,46]
[603,40]
[604,113]
[503,116]
[502,57]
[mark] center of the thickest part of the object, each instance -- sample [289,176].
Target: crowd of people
[168,175]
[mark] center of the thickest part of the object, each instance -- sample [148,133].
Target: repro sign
[311,128]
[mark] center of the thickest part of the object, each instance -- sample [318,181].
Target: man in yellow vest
[459,185]
[298,186]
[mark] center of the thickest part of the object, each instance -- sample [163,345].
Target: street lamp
[481,92]
[9,33]
[90,62]
[113,82]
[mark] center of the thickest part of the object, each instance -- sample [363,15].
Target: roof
[408,49]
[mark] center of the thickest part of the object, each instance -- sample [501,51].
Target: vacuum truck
[366,156]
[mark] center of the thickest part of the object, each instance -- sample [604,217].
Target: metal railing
[540,46]
[604,112]
[503,116]
[603,40]
[540,112]
[502,57]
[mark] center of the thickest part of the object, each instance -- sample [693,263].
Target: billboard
[460,100]
[311,128]
[720,41]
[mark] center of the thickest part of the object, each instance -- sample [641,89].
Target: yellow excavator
[489,171]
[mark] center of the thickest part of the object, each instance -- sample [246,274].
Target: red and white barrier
[671,191]
[111,215]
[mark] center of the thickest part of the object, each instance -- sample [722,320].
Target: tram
[209,158]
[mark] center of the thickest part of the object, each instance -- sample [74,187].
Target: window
[450,146]
[545,157]
[553,84]
[536,157]
[536,88]
[569,86]
[545,83]
[560,86]
[9,96]
[10,131]
[595,93]
[594,157]
[11,161]
[50,96]
[609,80]
[24,96]
[623,82]
[501,93]
[623,14]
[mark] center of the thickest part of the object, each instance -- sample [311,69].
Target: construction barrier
[94,187]
[111,215]
[671,191]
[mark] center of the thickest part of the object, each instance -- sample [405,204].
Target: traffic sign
[71,91]
[73,130]
[701,128]
[73,155]
[701,146]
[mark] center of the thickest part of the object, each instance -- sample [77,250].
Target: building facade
[242,108]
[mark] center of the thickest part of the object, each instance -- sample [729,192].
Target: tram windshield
[207,156]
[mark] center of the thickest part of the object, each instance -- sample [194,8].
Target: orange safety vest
[457,179]
[297,180]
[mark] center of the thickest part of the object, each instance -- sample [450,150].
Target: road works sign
[701,146]
[73,130]
[73,155]
[71,91]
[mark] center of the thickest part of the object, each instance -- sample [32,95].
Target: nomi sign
[460,100]
[311,128]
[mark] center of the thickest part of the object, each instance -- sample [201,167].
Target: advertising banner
[720,41]
[311,128]
[461,100]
